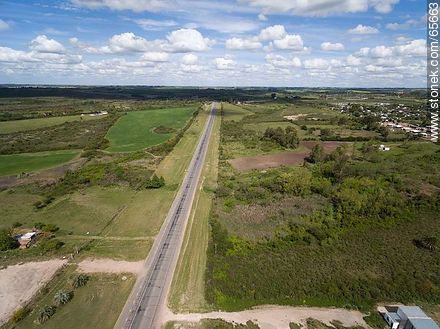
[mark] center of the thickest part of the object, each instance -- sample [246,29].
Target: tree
[80,281]
[62,297]
[155,182]
[317,154]
[383,131]
[46,313]
[7,242]
[286,138]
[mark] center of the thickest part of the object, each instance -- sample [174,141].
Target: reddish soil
[260,162]
[268,161]
[329,146]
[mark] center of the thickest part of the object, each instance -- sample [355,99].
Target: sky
[292,43]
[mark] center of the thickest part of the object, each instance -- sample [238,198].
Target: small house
[408,317]
[27,239]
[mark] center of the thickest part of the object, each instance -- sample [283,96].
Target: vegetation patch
[73,135]
[268,247]
[28,162]
[164,130]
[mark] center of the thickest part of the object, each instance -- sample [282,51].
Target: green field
[27,162]
[7,127]
[134,131]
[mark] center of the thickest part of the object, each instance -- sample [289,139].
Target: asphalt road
[148,299]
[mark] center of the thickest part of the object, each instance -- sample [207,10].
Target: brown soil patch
[18,283]
[329,146]
[291,158]
[268,161]
[109,266]
[43,177]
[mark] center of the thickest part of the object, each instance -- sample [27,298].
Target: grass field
[27,162]
[107,212]
[88,305]
[134,131]
[233,112]
[7,127]
[81,212]
[188,289]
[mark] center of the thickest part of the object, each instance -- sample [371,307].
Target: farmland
[13,126]
[296,226]
[136,130]
[26,162]
[101,207]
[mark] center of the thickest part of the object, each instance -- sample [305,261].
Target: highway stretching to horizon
[148,298]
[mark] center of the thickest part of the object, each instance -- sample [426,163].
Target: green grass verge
[27,162]
[7,127]
[188,288]
[135,130]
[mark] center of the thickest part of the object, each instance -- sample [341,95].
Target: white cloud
[179,41]
[317,64]
[408,49]
[42,44]
[274,32]
[190,59]
[151,24]
[353,60]
[413,48]
[4,25]
[381,51]
[133,5]
[155,56]
[126,42]
[322,7]
[10,55]
[186,40]
[242,44]
[224,63]
[362,29]
[281,61]
[395,26]
[191,68]
[15,56]
[328,46]
[262,17]
[290,41]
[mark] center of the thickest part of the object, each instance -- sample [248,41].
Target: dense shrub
[155,182]
[287,138]
[7,242]
[46,313]
[49,245]
[80,280]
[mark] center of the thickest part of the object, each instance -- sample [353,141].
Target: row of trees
[286,138]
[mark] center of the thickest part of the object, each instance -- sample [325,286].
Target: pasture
[136,130]
[7,127]
[12,164]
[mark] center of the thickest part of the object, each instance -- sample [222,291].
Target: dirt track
[109,266]
[277,317]
[18,283]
